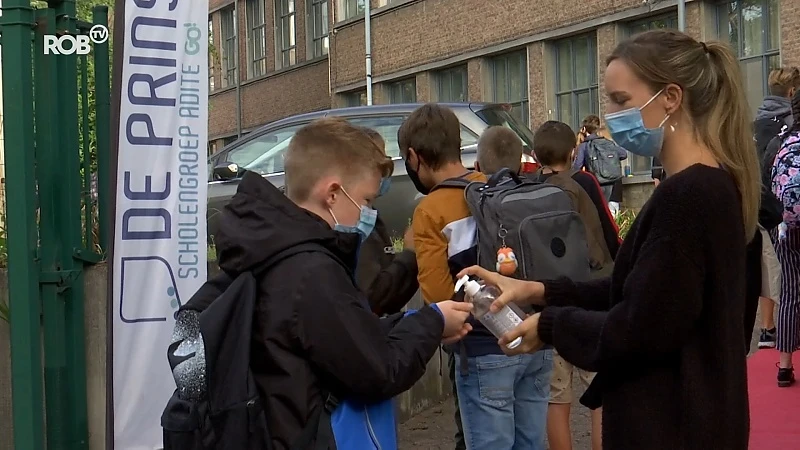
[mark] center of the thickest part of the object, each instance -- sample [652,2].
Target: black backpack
[603,160]
[216,405]
[766,129]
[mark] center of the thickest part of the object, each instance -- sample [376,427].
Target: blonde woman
[667,332]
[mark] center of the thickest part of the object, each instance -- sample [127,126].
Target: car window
[264,154]
[387,126]
[497,115]
[467,137]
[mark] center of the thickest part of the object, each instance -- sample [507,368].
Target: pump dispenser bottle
[482,297]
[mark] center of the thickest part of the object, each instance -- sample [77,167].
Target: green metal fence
[57,187]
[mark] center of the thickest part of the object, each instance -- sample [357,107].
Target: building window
[753,29]
[357,98]
[576,79]
[229,62]
[385,2]
[451,85]
[212,55]
[510,83]
[317,25]
[404,91]
[350,8]
[653,23]
[256,38]
[287,35]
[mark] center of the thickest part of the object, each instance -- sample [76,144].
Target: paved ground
[433,429]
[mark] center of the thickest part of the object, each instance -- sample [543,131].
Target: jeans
[459,436]
[504,399]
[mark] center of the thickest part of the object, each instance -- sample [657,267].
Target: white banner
[160,231]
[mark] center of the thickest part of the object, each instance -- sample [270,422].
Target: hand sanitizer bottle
[482,297]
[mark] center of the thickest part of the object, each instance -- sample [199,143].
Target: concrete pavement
[433,428]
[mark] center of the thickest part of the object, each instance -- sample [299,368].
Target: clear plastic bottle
[482,297]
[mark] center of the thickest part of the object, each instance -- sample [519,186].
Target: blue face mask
[386,183]
[366,220]
[629,132]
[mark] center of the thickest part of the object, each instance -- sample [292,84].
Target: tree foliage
[84,13]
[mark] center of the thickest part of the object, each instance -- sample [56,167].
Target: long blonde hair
[714,98]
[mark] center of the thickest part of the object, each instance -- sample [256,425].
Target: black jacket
[773,114]
[666,332]
[313,329]
[389,279]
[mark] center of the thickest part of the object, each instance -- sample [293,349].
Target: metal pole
[102,89]
[368,47]
[682,15]
[236,72]
[16,24]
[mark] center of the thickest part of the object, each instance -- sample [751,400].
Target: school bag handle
[500,175]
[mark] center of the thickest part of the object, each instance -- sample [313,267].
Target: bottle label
[503,321]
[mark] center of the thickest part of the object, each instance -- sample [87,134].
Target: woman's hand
[513,290]
[529,331]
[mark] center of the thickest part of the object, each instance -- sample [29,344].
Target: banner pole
[111,212]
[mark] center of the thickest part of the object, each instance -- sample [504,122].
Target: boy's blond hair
[782,81]
[499,147]
[330,146]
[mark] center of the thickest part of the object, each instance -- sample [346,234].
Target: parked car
[262,151]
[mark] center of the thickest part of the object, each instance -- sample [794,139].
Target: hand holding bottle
[528,331]
[517,291]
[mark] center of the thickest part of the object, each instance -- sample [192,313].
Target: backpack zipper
[371,431]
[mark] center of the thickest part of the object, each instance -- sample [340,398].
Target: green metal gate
[57,190]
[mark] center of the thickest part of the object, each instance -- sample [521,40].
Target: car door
[262,154]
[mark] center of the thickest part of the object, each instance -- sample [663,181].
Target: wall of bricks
[279,93]
[790,32]
[410,33]
[416,32]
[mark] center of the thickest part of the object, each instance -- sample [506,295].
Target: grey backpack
[537,221]
[603,160]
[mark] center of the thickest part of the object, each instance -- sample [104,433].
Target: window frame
[766,53]
[524,102]
[211,57]
[671,18]
[323,39]
[349,9]
[229,72]
[451,73]
[256,64]
[354,99]
[282,51]
[573,91]
[396,90]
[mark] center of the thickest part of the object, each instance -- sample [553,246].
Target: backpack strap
[319,428]
[501,175]
[453,183]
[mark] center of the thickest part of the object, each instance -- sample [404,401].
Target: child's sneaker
[785,377]
[767,339]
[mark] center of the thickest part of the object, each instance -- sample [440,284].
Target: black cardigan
[665,331]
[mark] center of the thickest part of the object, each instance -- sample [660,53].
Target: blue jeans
[503,400]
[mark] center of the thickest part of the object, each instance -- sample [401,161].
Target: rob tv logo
[80,44]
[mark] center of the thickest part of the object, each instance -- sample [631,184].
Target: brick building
[544,57]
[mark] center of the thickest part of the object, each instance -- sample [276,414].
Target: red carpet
[774,411]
